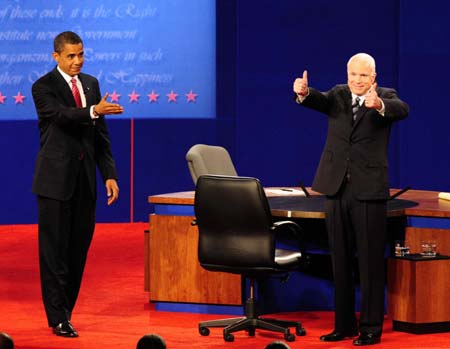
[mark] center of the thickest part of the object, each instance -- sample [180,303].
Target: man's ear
[56,56]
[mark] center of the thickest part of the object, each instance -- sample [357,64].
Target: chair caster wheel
[289,337]
[228,337]
[204,331]
[300,331]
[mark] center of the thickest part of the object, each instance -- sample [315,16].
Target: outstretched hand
[104,107]
[372,100]
[301,85]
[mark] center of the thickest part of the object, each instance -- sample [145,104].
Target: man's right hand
[104,107]
[301,85]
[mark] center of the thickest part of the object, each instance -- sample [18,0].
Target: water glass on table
[428,248]
[400,249]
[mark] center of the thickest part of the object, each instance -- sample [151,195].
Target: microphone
[300,184]
[400,192]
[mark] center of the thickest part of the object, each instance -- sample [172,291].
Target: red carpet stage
[113,310]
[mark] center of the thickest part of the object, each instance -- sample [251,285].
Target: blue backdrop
[260,47]
[156,58]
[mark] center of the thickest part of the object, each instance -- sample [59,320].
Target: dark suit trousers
[357,226]
[65,233]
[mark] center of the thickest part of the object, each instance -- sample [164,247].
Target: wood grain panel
[432,291]
[175,273]
[401,294]
[414,237]
[146,264]
[418,291]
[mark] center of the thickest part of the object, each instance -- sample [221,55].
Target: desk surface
[412,203]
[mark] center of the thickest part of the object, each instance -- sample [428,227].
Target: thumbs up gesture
[301,85]
[372,100]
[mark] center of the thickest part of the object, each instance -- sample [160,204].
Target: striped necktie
[355,108]
[76,93]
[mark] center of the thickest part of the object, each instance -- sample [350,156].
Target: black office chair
[237,235]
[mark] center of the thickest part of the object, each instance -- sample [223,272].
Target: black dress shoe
[65,329]
[336,336]
[367,339]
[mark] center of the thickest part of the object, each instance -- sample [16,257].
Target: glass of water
[400,250]
[428,248]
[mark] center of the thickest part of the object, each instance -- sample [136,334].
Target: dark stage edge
[421,328]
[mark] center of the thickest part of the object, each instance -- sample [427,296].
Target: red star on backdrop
[2,98]
[19,98]
[114,97]
[134,97]
[191,96]
[153,97]
[172,96]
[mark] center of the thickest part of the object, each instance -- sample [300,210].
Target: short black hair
[151,341]
[64,38]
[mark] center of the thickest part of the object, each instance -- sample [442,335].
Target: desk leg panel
[175,274]
[418,291]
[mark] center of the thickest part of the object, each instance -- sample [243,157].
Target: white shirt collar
[361,98]
[66,76]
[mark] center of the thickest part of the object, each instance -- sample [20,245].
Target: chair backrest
[209,159]
[235,224]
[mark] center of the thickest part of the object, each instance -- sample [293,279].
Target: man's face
[360,77]
[70,59]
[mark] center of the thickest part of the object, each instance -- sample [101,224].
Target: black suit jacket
[359,148]
[69,138]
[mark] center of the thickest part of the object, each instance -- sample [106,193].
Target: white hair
[363,57]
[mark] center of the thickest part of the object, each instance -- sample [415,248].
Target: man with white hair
[353,174]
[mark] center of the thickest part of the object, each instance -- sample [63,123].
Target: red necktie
[76,93]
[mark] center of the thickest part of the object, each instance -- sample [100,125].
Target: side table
[419,293]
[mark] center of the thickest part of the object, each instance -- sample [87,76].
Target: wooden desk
[176,275]
[428,204]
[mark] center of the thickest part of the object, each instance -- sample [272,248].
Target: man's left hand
[372,100]
[106,108]
[112,190]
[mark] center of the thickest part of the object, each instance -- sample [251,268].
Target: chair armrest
[292,227]
[298,233]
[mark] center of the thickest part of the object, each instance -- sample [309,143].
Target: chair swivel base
[250,323]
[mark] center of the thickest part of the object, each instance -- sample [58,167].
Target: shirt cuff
[300,99]
[383,109]
[94,115]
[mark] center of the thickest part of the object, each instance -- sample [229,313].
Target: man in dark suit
[74,140]
[353,174]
